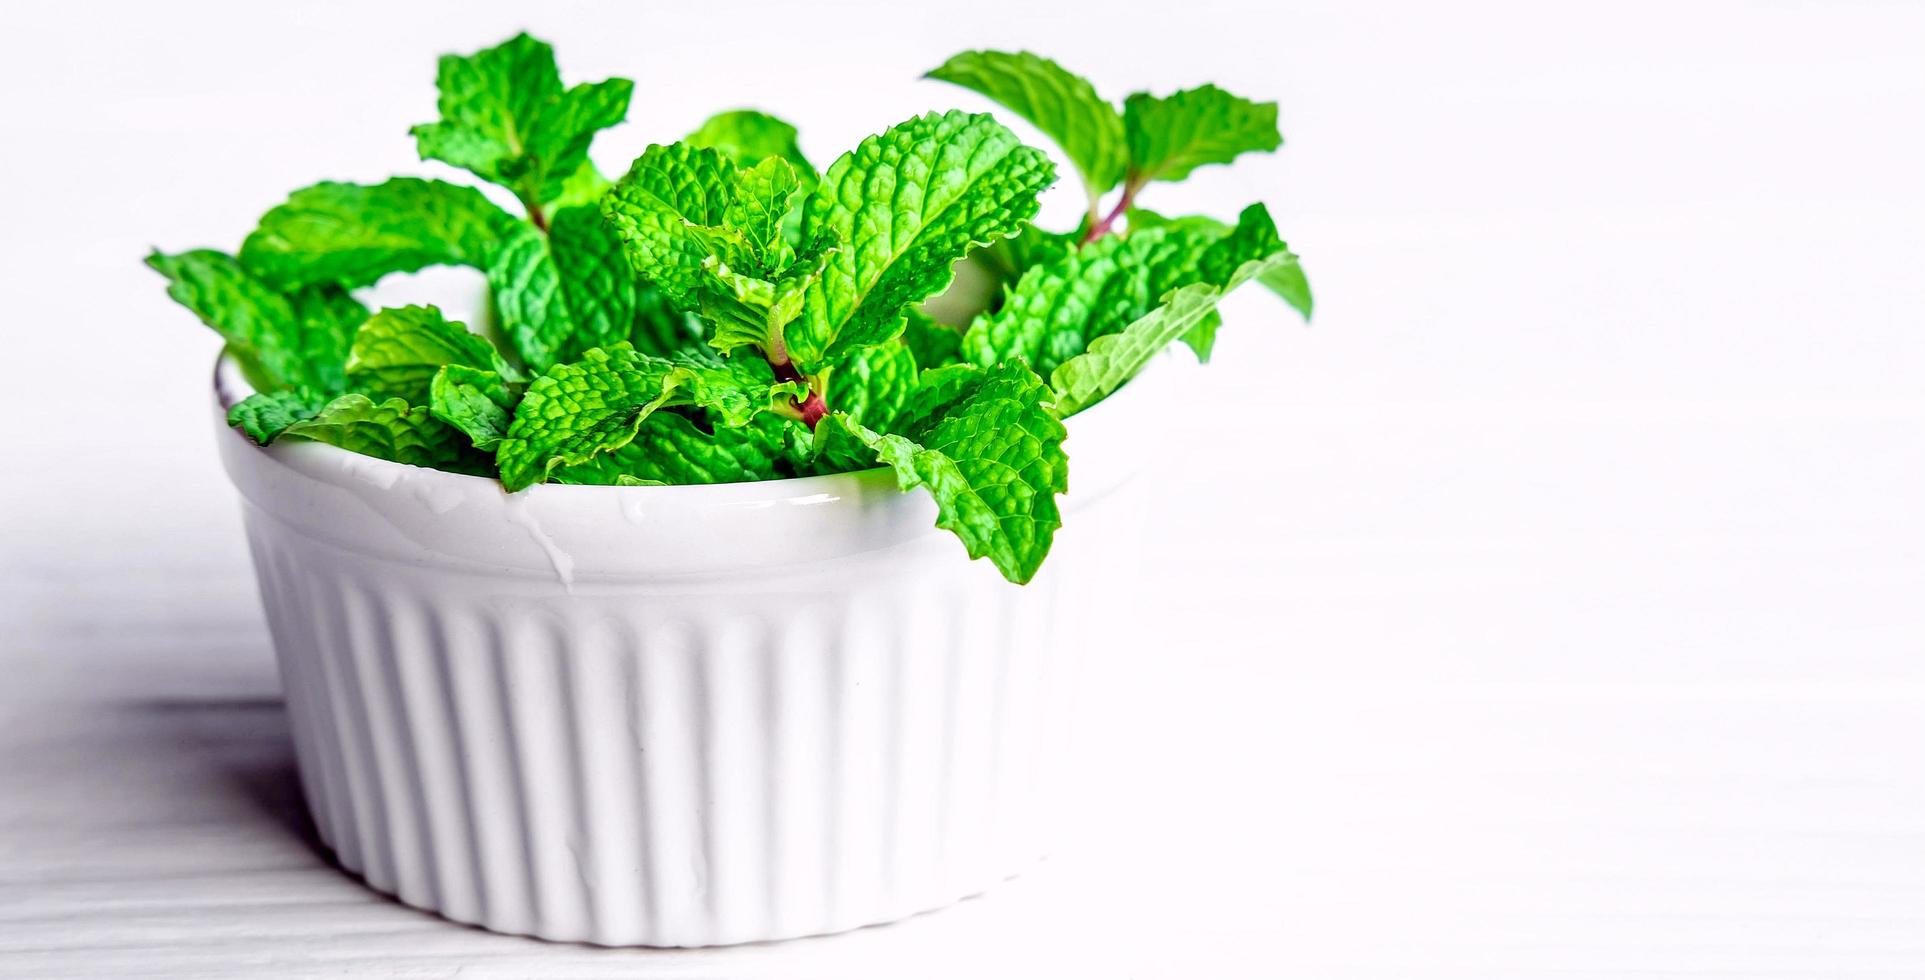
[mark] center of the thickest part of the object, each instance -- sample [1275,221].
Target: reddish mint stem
[535,214]
[813,407]
[1103,227]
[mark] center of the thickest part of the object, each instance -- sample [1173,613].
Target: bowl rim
[421,516]
[302,455]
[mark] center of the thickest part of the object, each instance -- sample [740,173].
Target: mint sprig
[992,457]
[280,337]
[1152,138]
[726,311]
[354,234]
[506,118]
[904,206]
[1060,103]
[714,235]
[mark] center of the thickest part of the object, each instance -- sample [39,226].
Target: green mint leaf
[387,430]
[1289,282]
[1254,237]
[734,389]
[670,449]
[578,411]
[490,101]
[934,344]
[711,237]
[906,204]
[1084,380]
[1057,308]
[839,444]
[1250,251]
[1059,102]
[872,384]
[993,460]
[937,391]
[987,273]
[747,310]
[280,339]
[661,209]
[1140,219]
[606,301]
[760,198]
[561,294]
[1286,281]
[478,402]
[661,328]
[1031,247]
[559,145]
[506,118]
[599,290]
[1202,337]
[574,412]
[262,415]
[530,299]
[397,353]
[748,137]
[354,234]
[1171,136]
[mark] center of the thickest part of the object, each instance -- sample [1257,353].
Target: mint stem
[811,408]
[535,214]
[1102,227]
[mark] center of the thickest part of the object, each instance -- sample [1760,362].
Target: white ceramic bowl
[673,716]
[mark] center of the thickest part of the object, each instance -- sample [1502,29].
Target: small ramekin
[674,716]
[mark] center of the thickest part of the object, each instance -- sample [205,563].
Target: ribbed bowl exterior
[666,766]
[597,714]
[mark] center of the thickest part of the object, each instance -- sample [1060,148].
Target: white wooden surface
[1551,608]
[1362,825]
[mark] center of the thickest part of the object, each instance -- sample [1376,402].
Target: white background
[1554,605]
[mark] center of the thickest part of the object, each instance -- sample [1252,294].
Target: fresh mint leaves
[748,137]
[281,338]
[1248,252]
[389,429]
[903,207]
[669,448]
[353,234]
[990,452]
[1171,136]
[479,403]
[1063,105]
[727,311]
[1152,138]
[1091,307]
[578,411]
[264,415]
[506,118]
[398,352]
[709,234]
